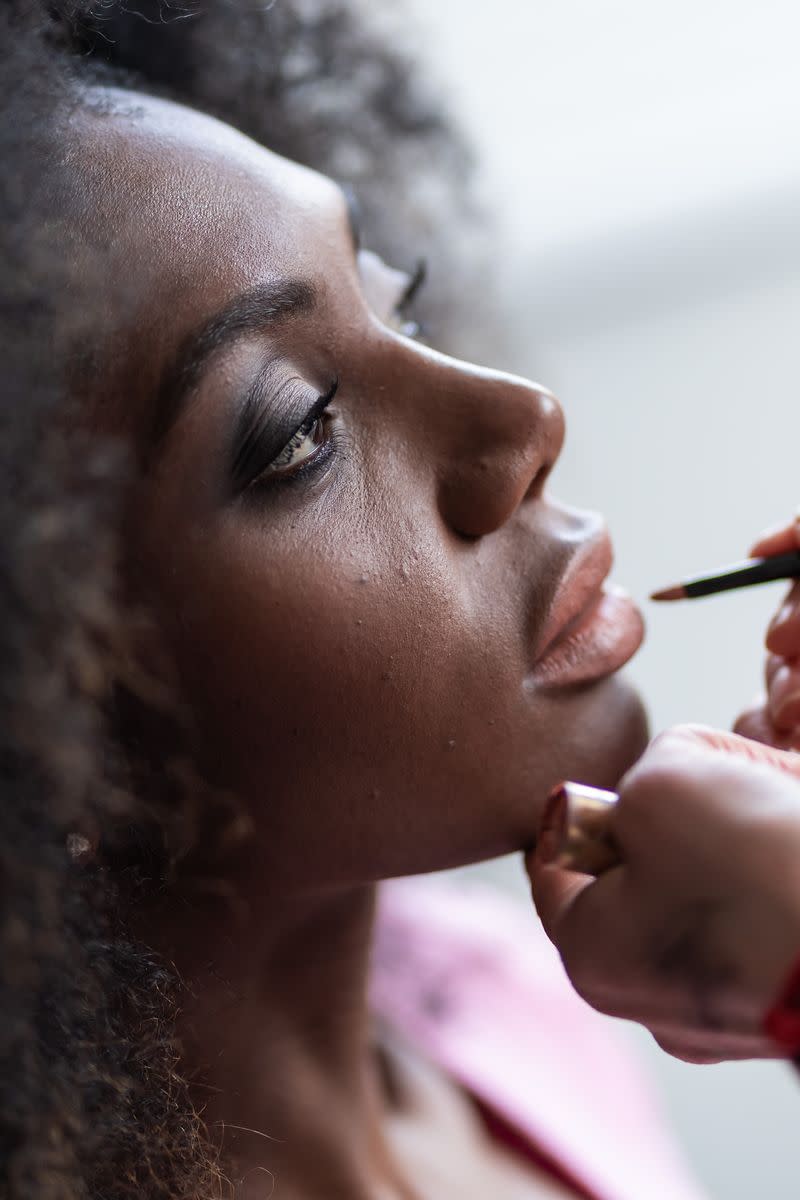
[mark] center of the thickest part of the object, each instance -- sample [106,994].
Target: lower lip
[602,641]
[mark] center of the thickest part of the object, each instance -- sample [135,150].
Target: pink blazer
[467,975]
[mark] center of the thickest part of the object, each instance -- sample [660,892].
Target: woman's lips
[596,642]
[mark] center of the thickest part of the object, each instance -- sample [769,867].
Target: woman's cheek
[356,660]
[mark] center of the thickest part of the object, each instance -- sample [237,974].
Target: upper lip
[578,589]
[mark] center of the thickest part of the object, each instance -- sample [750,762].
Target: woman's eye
[301,447]
[391,293]
[309,447]
[298,454]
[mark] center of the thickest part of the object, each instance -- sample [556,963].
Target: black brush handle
[747,574]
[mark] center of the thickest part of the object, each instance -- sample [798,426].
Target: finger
[783,697]
[778,540]
[758,752]
[709,1048]
[699,1030]
[591,921]
[771,667]
[754,738]
[554,891]
[600,933]
[783,635]
[755,725]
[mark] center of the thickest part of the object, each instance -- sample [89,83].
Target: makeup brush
[740,575]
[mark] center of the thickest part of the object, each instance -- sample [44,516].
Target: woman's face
[345,535]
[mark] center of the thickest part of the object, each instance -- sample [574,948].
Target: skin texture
[366,637]
[696,932]
[357,644]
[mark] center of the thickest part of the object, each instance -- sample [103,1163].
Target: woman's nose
[506,435]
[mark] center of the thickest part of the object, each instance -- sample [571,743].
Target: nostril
[546,441]
[509,438]
[537,484]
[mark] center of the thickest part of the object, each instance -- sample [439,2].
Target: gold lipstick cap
[577,828]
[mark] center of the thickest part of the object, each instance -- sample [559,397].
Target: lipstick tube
[576,828]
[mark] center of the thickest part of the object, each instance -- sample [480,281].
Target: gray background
[643,163]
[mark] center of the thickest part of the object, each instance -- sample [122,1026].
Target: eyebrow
[249,312]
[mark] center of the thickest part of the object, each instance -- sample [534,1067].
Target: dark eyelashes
[248,443]
[266,444]
[314,413]
[415,285]
[259,442]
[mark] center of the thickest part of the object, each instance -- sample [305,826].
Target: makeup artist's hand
[694,934]
[775,719]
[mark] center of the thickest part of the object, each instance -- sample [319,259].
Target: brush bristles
[671,593]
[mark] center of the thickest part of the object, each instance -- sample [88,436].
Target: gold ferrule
[586,843]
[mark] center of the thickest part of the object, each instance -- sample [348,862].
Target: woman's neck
[274,1036]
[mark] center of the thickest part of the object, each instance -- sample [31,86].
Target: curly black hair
[92,1102]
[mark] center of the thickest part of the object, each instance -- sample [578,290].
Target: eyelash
[410,328]
[274,475]
[415,285]
[285,475]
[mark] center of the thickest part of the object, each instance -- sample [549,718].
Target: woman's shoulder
[439,938]
[466,974]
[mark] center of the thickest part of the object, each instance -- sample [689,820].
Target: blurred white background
[643,162]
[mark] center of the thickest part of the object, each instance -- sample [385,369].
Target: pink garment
[468,977]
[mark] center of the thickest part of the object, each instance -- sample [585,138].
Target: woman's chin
[616,734]
[602,730]
[599,732]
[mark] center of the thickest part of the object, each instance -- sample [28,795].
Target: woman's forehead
[189,215]
[169,172]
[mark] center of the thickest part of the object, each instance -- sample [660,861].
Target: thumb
[778,541]
[742,747]
[554,891]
